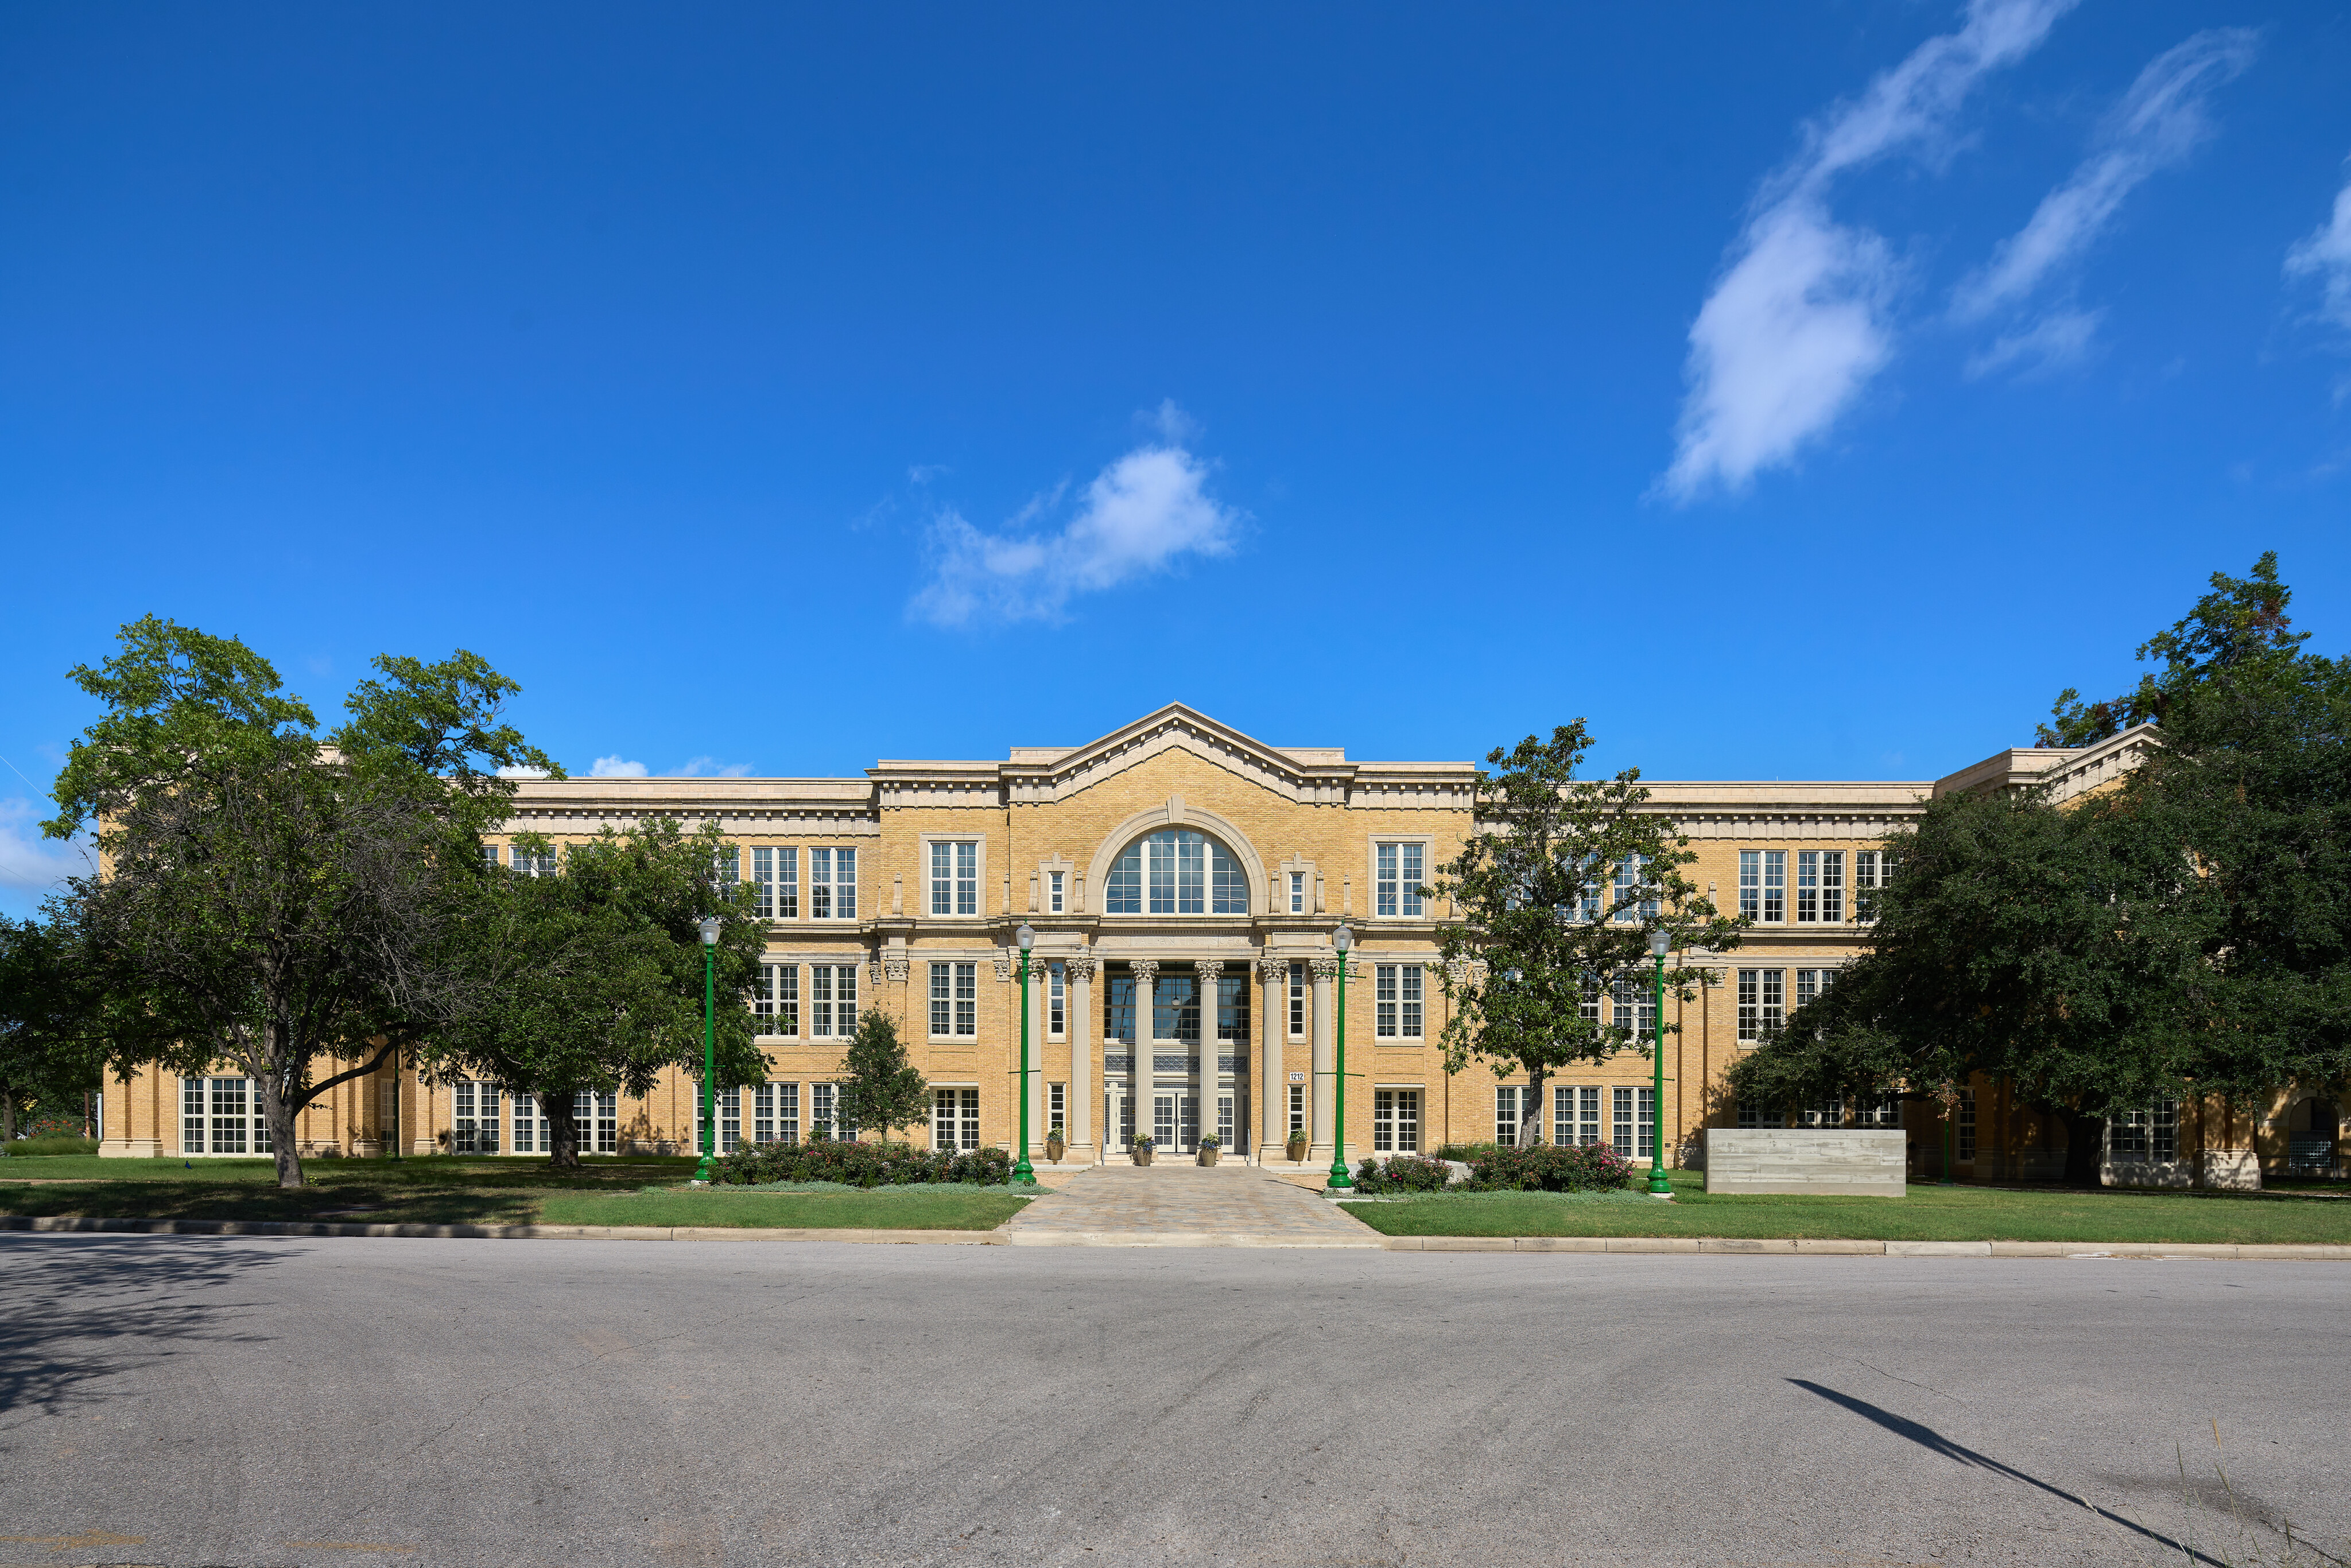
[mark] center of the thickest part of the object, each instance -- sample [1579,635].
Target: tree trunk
[561,1111]
[2085,1148]
[279,1114]
[7,1117]
[1530,1118]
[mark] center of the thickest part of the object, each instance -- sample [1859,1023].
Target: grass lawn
[461,1190]
[1929,1213]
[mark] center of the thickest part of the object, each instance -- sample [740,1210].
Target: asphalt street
[182,1400]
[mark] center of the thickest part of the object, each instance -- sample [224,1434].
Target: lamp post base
[1023,1173]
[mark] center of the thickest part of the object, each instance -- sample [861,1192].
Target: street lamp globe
[710,930]
[1342,939]
[1660,943]
[1025,936]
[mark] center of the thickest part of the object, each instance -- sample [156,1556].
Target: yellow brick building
[1185,882]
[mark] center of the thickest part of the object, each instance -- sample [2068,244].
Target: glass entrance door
[1176,1122]
[1118,1116]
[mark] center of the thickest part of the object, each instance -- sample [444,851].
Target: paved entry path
[1183,1206]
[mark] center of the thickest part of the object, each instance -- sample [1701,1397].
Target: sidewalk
[1184,1205]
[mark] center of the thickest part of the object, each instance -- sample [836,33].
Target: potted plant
[1056,1145]
[1210,1148]
[1140,1148]
[1297,1149]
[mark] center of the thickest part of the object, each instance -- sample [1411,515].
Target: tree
[591,978]
[878,1087]
[48,1056]
[2184,933]
[270,901]
[1554,893]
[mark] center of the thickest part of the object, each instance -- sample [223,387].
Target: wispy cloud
[615,766]
[2160,121]
[521,772]
[31,865]
[1141,515]
[2059,338]
[1797,325]
[698,767]
[2324,254]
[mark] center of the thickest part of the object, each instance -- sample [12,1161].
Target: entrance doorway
[1176,1122]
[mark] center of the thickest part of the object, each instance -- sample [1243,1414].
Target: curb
[1719,1245]
[1371,1243]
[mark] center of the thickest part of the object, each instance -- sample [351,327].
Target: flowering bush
[860,1165]
[1550,1167]
[1404,1173]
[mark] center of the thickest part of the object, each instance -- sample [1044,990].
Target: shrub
[1404,1173]
[1550,1167]
[860,1165]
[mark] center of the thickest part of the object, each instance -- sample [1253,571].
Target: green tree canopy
[50,1053]
[878,1087]
[592,977]
[1555,895]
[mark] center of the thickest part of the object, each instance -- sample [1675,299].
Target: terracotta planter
[1054,1149]
[1296,1150]
[1143,1157]
[1208,1156]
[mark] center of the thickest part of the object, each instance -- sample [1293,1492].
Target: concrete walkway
[1183,1206]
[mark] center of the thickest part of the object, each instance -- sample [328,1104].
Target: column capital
[1325,969]
[1147,970]
[1208,969]
[1004,965]
[1080,966]
[1270,969]
[893,968]
[1457,971]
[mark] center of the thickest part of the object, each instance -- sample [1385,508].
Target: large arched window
[1177,872]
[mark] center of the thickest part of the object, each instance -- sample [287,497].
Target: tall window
[1587,1005]
[489,854]
[530,1127]
[1297,1001]
[1057,1107]
[542,864]
[954,998]
[1753,1113]
[954,876]
[1634,1114]
[1396,1000]
[1118,1007]
[832,1000]
[776,1002]
[1398,891]
[1224,1121]
[726,865]
[1232,1011]
[1297,893]
[955,1119]
[832,885]
[1176,1008]
[1820,886]
[1575,1114]
[1763,885]
[1871,869]
[596,1121]
[1634,1004]
[475,1117]
[1762,1004]
[1878,1111]
[1176,872]
[1505,1115]
[824,1113]
[1053,891]
[1057,1000]
[1298,1107]
[1630,881]
[776,1114]
[1811,983]
[1964,1135]
[730,1119]
[1396,1121]
[222,1116]
[1829,1112]
[776,883]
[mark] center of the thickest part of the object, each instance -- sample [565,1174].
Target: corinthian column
[1326,970]
[1080,970]
[1146,980]
[1273,1082]
[1208,970]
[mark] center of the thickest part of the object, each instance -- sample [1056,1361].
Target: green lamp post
[1022,1171]
[1342,939]
[1658,1185]
[709,1047]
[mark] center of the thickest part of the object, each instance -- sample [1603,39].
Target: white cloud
[31,864]
[1139,516]
[2061,337]
[1797,324]
[2325,254]
[698,767]
[616,766]
[2159,121]
[521,772]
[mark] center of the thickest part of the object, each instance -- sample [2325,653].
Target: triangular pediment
[1040,774]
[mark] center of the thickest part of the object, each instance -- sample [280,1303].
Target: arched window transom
[1177,872]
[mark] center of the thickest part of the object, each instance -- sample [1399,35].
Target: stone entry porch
[1184,1205]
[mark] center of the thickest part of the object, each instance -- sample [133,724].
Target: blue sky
[1795,391]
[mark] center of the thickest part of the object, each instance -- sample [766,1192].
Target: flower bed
[860,1165]
[1550,1167]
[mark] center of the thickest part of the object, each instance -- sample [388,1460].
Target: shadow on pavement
[86,1308]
